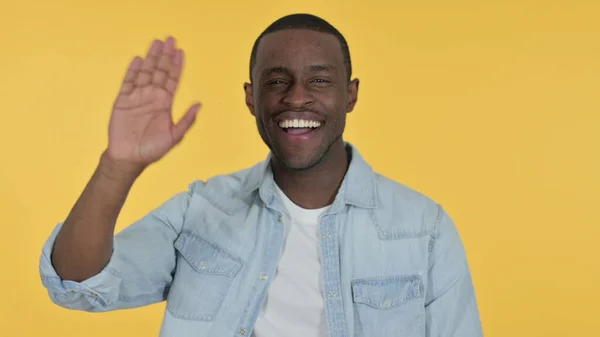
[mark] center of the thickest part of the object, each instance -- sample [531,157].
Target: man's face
[300,95]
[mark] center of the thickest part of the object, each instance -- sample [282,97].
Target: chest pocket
[202,278]
[389,306]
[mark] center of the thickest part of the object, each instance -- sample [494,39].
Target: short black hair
[304,21]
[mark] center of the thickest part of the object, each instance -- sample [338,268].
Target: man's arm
[84,244]
[138,270]
[83,262]
[451,305]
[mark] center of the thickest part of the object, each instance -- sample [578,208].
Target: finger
[143,78]
[169,46]
[166,57]
[160,75]
[185,122]
[164,63]
[132,71]
[171,86]
[152,56]
[159,79]
[175,72]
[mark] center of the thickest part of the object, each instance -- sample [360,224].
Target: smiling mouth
[298,126]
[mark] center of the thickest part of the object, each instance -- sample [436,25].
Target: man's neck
[316,187]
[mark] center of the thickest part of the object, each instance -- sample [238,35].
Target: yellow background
[490,107]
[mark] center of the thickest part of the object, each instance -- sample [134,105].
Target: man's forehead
[299,43]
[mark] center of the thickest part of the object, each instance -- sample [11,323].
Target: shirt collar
[357,189]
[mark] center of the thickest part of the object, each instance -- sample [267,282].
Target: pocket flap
[388,292]
[207,257]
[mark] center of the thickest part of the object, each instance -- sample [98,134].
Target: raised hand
[141,129]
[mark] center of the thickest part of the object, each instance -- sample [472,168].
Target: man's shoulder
[403,210]
[227,182]
[402,193]
[229,191]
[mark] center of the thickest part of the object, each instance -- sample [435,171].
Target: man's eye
[320,80]
[275,82]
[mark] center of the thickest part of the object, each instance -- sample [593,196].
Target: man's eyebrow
[322,67]
[275,70]
[285,70]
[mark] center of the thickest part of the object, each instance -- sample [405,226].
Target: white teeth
[298,123]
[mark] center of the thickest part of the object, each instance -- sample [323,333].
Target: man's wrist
[119,171]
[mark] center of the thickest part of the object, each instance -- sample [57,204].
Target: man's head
[300,90]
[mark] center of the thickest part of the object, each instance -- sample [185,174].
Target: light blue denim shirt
[393,263]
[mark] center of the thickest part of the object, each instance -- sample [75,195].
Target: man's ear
[352,94]
[249,97]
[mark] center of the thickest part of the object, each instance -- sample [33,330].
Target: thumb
[185,122]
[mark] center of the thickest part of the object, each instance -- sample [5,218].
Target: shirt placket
[263,279]
[330,257]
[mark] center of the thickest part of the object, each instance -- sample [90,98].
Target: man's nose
[298,96]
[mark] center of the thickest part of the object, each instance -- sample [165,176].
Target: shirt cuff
[100,291]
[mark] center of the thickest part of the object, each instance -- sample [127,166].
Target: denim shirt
[393,263]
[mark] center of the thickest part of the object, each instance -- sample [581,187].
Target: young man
[309,242]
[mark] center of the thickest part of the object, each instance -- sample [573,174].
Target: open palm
[141,129]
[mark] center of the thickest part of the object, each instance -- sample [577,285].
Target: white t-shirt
[294,305]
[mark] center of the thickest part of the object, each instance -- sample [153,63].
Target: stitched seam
[451,285]
[434,235]
[187,316]
[412,281]
[231,255]
[397,234]
[215,204]
[382,280]
[126,298]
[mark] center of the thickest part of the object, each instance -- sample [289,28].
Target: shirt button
[387,303]
[332,293]
[280,218]
[242,332]
[264,277]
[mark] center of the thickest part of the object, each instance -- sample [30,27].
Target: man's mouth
[298,126]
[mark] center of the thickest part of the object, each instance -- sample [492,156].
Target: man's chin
[297,162]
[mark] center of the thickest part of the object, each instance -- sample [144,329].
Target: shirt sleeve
[139,271]
[451,307]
